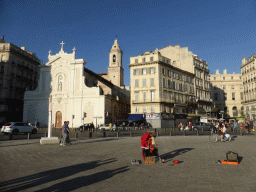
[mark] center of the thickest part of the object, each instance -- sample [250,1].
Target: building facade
[227,93]
[76,94]
[159,87]
[249,83]
[185,60]
[19,71]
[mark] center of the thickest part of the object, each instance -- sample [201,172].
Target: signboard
[152,116]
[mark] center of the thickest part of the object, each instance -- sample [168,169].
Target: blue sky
[220,32]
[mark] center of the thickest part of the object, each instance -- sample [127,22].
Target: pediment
[49,63]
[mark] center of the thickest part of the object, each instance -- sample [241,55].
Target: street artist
[147,141]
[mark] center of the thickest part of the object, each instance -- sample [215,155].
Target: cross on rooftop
[62,45]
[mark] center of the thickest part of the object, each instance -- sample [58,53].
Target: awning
[135,117]
[215,109]
[193,115]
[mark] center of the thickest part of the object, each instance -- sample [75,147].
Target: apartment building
[185,60]
[159,87]
[18,72]
[227,93]
[249,83]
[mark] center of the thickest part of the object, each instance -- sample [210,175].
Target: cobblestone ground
[104,164]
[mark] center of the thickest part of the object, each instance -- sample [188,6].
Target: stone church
[68,91]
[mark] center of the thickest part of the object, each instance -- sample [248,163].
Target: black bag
[231,156]
[146,152]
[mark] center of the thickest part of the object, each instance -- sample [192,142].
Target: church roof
[103,80]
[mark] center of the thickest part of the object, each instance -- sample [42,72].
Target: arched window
[114,58]
[235,113]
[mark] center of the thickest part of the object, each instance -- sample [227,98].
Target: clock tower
[115,69]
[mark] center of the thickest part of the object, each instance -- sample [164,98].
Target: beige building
[185,60]
[19,72]
[227,93]
[77,94]
[159,87]
[249,83]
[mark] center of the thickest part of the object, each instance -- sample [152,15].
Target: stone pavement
[104,164]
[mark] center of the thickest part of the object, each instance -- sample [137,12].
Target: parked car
[203,127]
[86,126]
[18,127]
[107,127]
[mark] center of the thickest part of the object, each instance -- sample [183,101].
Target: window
[152,109]
[164,71]
[144,109]
[174,75]
[136,83]
[152,70]
[136,60]
[240,77]
[144,71]
[232,77]
[214,78]
[169,84]
[137,109]
[144,96]
[233,96]
[114,58]
[169,73]
[241,95]
[174,62]
[173,85]
[164,82]
[165,94]
[152,93]
[223,78]
[224,86]
[144,82]
[241,86]
[232,87]
[144,59]
[151,82]
[151,58]
[137,72]
[136,96]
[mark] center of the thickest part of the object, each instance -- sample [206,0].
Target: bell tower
[115,69]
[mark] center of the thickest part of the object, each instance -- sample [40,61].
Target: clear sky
[220,32]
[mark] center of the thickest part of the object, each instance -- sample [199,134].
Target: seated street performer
[146,142]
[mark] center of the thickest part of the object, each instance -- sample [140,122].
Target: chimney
[31,53]
[217,71]
[225,71]
[2,39]
[23,48]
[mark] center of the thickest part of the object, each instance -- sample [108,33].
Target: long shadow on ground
[84,181]
[34,180]
[168,156]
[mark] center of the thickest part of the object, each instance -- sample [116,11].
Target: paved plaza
[104,164]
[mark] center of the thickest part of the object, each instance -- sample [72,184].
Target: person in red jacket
[146,142]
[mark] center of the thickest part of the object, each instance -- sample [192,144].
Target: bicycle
[214,137]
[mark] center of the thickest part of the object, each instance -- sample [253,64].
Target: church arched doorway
[58,122]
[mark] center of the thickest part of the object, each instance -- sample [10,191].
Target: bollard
[90,135]
[197,132]
[76,135]
[117,134]
[10,136]
[29,136]
[164,129]
[131,134]
[171,133]
[241,133]
[184,133]
[157,133]
[104,134]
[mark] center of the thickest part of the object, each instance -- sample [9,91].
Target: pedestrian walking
[62,133]
[68,141]
[65,134]
[235,125]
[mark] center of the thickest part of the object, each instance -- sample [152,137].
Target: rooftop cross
[62,45]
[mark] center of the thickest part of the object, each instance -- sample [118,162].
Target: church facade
[67,91]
